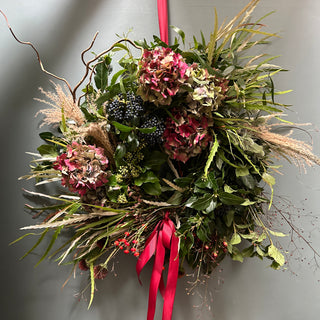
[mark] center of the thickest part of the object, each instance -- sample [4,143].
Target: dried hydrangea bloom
[83,168]
[186,136]
[208,91]
[161,73]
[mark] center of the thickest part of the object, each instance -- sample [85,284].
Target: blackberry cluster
[156,136]
[122,109]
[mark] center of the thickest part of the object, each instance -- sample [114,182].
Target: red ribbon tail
[171,279]
[156,277]
[163,20]
[163,237]
[148,251]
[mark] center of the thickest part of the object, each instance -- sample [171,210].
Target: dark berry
[156,136]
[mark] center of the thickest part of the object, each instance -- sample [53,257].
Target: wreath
[173,156]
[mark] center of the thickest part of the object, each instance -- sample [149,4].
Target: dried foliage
[61,105]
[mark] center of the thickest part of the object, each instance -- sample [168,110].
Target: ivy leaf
[202,203]
[121,150]
[153,189]
[46,135]
[155,160]
[242,171]
[228,189]
[176,198]
[269,179]
[201,234]
[230,199]
[211,207]
[147,130]
[259,251]
[228,218]
[122,127]
[190,201]
[248,181]
[277,234]
[183,181]
[248,252]
[48,150]
[262,237]
[236,239]
[213,181]
[274,253]
[247,202]
[236,254]
[147,177]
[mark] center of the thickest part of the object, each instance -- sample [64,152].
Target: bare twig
[37,53]
[294,229]
[96,58]
[86,50]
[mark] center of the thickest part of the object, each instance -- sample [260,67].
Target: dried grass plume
[60,102]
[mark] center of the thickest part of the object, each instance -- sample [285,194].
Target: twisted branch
[37,53]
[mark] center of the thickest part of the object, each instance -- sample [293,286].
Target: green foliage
[215,198]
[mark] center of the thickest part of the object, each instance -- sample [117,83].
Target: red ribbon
[163,20]
[163,237]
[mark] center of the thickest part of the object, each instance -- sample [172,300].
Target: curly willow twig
[37,53]
[99,56]
[87,64]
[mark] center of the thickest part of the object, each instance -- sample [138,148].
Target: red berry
[136,254]
[225,243]
[116,243]
[126,251]
[133,249]
[134,241]
[83,265]
[121,247]
[126,233]
[99,272]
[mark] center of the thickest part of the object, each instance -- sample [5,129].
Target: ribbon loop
[162,237]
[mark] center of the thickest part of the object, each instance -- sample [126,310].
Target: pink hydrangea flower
[185,136]
[161,73]
[83,168]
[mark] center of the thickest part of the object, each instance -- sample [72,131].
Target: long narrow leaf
[213,152]
[36,244]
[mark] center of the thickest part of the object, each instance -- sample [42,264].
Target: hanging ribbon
[163,20]
[163,237]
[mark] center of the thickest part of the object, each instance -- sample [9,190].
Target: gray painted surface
[60,30]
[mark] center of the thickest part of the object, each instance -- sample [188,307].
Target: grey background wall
[61,30]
